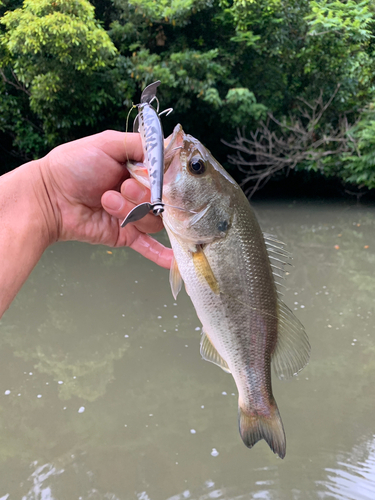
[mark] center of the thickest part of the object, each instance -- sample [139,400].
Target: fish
[228,268]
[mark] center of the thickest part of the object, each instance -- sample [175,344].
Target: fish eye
[197,167]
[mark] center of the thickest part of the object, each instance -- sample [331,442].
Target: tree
[322,53]
[56,64]
[224,64]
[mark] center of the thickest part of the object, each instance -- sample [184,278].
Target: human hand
[82,179]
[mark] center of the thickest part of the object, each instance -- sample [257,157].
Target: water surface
[104,395]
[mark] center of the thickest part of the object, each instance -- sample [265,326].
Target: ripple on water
[354,478]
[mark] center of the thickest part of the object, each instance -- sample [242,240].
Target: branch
[16,84]
[266,152]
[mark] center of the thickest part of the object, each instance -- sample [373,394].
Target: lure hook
[166,112]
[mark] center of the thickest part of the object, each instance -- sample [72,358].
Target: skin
[80,191]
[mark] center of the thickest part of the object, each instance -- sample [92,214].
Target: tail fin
[254,427]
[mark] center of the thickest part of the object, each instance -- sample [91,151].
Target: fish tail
[254,427]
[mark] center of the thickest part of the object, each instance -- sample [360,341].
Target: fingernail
[113,201]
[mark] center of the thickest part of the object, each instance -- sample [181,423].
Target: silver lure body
[153,146]
[147,123]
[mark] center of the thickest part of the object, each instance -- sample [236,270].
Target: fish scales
[247,303]
[221,255]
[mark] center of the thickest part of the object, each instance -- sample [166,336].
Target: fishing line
[179,208]
[126,128]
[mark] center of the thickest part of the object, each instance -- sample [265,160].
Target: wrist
[30,202]
[27,228]
[42,200]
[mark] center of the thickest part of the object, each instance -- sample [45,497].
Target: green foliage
[359,167]
[189,71]
[241,106]
[351,19]
[224,64]
[238,107]
[58,58]
[176,12]
[62,33]
[308,48]
[342,32]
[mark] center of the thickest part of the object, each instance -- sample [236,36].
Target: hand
[82,179]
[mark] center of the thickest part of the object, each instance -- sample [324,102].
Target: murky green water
[103,394]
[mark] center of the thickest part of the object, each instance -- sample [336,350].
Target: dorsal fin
[276,250]
[209,353]
[292,351]
[279,259]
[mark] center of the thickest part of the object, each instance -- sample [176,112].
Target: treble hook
[167,112]
[157,101]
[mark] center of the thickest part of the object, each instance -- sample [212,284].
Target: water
[103,393]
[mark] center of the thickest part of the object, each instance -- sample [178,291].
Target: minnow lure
[147,123]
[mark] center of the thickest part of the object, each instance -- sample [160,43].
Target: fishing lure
[147,123]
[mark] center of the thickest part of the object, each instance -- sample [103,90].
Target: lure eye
[197,167]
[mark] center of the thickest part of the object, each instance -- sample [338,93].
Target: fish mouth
[139,172]
[174,142]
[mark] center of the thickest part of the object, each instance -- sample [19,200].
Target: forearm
[24,227]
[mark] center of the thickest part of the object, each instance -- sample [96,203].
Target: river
[104,395]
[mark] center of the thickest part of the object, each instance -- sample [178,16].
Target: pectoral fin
[175,279]
[292,350]
[203,269]
[209,353]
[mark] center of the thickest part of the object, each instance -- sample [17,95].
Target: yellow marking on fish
[204,270]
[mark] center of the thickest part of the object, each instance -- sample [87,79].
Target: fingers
[150,248]
[132,194]
[119,145]
[134,235]
[135,192]
[113,203]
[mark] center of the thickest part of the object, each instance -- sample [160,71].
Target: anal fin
[209,353]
